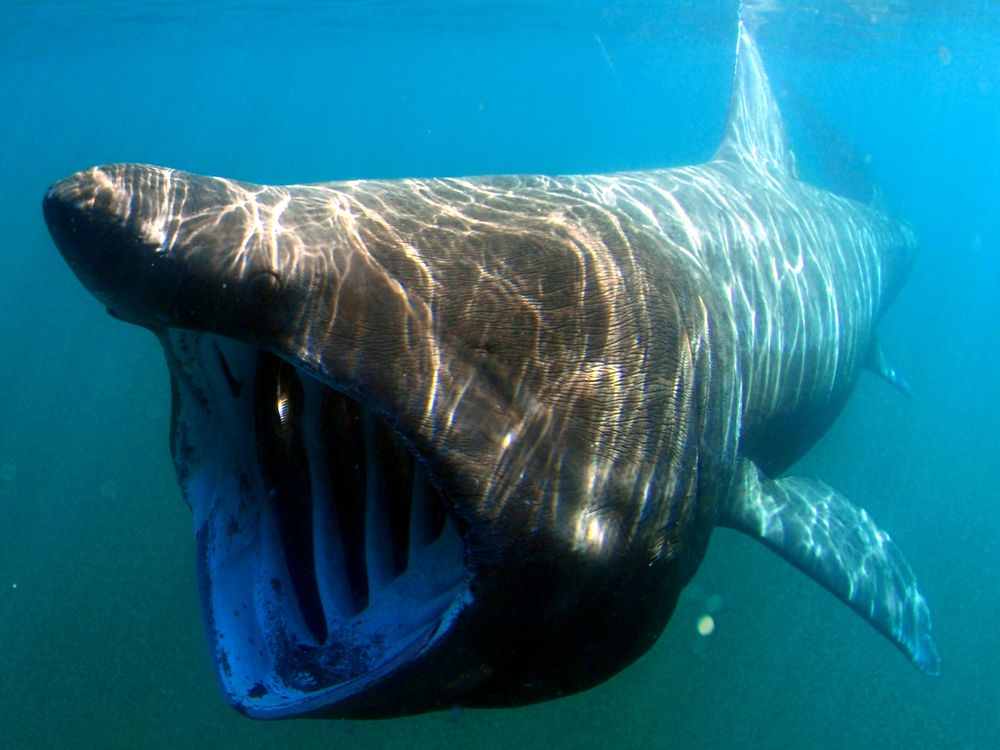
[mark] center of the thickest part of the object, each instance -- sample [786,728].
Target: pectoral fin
[879,364]
[838,545]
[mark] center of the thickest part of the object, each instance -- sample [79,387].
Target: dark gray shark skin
[464,441]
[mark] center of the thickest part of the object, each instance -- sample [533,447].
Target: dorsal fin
[755,133]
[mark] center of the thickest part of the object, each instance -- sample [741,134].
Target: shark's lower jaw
[326,559]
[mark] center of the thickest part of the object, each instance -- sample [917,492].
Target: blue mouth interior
[326,558]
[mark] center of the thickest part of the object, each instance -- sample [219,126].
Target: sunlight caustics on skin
[425,424]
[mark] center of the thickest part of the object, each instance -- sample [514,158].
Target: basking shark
[464,441]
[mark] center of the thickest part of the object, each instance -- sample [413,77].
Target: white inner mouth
[326,557]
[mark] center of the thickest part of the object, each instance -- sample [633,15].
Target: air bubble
[706,625]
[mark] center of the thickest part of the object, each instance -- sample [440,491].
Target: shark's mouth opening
[326,558]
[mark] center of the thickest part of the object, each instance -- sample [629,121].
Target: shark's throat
[326,557]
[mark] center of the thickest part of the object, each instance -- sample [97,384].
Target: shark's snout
[136,237]
[62,207]
[85,226]
[95,217]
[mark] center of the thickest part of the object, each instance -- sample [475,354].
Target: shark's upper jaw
[326,559]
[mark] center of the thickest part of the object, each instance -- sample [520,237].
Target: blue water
[100,636]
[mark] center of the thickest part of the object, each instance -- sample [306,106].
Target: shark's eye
[263,288]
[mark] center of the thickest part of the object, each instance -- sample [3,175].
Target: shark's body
[463,441]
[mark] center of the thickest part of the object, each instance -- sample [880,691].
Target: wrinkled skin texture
[586,370]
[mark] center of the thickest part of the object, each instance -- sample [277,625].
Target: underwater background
[101,641]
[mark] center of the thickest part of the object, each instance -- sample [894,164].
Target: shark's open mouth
[326,557]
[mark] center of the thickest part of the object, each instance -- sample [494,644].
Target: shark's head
[435,457]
